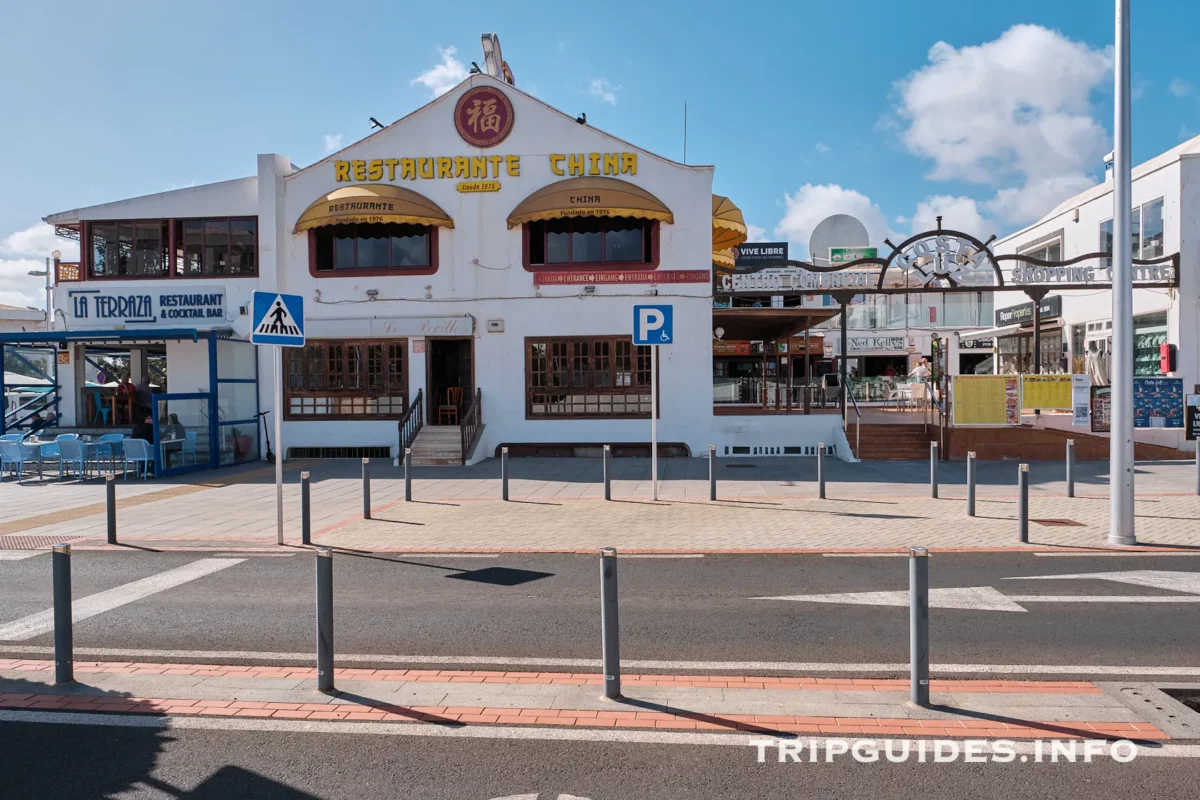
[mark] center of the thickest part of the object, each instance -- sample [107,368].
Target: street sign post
[278,321]
[653,327]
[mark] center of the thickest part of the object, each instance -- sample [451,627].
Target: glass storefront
[1016,352]
[1149,331]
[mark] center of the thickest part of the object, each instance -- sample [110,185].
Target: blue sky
[890,110]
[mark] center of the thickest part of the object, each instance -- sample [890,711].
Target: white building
[1076,338]
[485,248]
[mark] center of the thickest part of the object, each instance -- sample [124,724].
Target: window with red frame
[376,246]
[591,241]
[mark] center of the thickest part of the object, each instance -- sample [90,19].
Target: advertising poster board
[1101,409]
[1081,386]
[986,400]
[1192,408]
[1158,402]
[1050,392]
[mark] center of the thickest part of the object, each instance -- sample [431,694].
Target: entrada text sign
[478,167]
[189,306]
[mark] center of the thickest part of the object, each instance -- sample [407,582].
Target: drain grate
[1058,523]
[34,542]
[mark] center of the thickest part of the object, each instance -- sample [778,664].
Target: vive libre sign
[182,306]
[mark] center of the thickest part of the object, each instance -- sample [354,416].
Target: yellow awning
[589,197]
[724,258]
[375,202]
[729,228]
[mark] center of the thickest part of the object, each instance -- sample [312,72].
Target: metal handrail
[857,426]
[410,424]
[470,424]
[936,402]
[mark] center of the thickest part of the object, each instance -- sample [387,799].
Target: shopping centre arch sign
[945,261]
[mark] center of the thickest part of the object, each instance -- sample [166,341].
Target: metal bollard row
[324,619]
[1070,467]
[366,492]
[504,473]
[607,472]
[305,510]
[712,472]
[918,625]
[1023,503]
[110,506]
[609,624]
[933,470]
[408,474]
[64,657]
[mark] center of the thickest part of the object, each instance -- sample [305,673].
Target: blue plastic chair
[15,455]
[71,452]
[12,437]
[115,449]
[189,446]
[138,452]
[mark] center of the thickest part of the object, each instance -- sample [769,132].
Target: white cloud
[755,233]
[1180,88]
[27,250]
[822,147]
[901,220]
[333,142]
[1016,110]
[443,76]
[810,204]
[602,90]
[958,213]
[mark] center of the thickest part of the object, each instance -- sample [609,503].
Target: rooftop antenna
[685,131]
[375,123]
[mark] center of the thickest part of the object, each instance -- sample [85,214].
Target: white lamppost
[1120,481]
[51,265]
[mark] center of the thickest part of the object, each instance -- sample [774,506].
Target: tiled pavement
[976,709]
[766,504]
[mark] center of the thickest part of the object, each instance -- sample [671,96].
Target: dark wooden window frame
[355,272]
[613,266]
[174,260]
[393,385]
[569,370]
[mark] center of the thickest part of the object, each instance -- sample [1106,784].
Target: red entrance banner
[566,277]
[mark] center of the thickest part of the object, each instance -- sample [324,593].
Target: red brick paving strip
[460,715]
[565,678]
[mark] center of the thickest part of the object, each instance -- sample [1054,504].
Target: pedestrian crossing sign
[278,319]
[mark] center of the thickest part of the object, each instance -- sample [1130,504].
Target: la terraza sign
[183,306]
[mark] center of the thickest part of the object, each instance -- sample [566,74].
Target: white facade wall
[480,277]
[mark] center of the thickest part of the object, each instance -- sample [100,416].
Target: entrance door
[448,366]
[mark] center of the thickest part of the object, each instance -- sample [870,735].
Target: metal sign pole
[1121,493]
[654,421]
[279,451]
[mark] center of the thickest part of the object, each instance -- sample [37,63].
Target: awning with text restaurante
[589,197]
[373,203]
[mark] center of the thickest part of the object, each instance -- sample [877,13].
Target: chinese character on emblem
[483,116]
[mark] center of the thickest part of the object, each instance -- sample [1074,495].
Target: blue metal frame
[55,337]
[53,388]
[159,470]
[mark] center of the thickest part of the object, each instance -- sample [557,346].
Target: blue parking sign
[652,325]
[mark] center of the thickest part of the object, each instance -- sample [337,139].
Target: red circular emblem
[483,116]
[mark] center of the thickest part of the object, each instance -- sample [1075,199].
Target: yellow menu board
[986,400]
[1046,391]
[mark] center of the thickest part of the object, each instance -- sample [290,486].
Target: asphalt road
[697,609]
[66,762]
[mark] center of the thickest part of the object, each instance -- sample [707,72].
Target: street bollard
[1070,467]
[607,472]
[504,473]
[366,464]
[609,624]
[918,625]
[821,470]
[110,505]
[933,470]
[305,511]
[324,619]
[1023,502]
[64,659]
[971,484]
[408,474]
[712,472]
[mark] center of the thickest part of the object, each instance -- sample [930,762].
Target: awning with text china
[373,203]
[589,197]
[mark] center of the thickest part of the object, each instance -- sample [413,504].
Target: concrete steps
[893,442]
[437,446]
